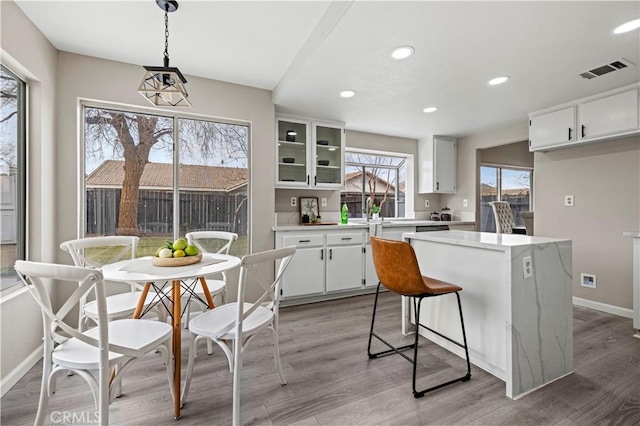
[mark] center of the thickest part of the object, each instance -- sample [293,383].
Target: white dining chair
[209,242]
[104,351]
[94,252]
[233,325]
[503,217]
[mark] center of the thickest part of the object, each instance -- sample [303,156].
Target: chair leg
[466,377]
[44,391]
[276,352]
[237,366]
[392,349]
[192,358]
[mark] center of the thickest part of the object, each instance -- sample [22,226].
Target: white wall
[604,178]
[28,53]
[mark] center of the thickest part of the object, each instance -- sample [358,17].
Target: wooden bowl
[176,261]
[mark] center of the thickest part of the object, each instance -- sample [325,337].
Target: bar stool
[397,268]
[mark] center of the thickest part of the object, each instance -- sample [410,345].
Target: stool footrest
[421,393]
[392,350]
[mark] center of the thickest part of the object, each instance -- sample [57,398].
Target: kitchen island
[516,299]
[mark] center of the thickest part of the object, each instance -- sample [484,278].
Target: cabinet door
[305,273]
[370,276]
[612,114]
[444,153]
[553,128]
[292,153]
[344,268]
[328,158]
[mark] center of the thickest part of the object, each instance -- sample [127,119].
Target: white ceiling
[307,52]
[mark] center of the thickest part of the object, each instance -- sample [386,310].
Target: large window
[374,179]
[504,184]
[12,175]
[161,176]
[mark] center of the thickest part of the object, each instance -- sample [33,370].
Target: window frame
[22,164]
[175,116]
[403,163]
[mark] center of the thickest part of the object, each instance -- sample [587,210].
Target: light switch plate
[465,203]
[294,201]
[323,201]
[426,203]
[568,201]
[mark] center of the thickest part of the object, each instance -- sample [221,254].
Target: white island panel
[519,329]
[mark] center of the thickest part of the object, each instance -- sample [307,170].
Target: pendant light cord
[166,35]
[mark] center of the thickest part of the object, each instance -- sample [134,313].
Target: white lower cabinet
[325,262]
[370,276]
[305,273]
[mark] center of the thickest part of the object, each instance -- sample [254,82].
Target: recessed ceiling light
[627,26]
[430,109]
[498,80]
[347,93]
[402,52]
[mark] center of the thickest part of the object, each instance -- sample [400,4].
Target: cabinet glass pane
[292,154]
[328,155]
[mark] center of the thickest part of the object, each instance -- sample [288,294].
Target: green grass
[147,246]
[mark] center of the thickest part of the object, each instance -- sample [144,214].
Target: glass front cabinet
[309,154]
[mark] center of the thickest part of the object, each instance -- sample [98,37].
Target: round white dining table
[142,270]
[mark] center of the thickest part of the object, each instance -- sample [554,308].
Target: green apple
[180,244]
[191,250]
[165,252]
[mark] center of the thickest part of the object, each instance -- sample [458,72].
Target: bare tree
[375,175]
[8,110]
[116,134]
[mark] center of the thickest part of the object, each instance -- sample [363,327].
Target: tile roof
[491,190]
[160,175]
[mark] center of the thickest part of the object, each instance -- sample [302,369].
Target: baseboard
[18,373]
[603,307]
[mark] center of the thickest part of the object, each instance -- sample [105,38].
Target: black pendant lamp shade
[164,85]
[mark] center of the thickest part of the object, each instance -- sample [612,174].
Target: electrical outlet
[588,280]
[323,201]
[527,267]
[294,201]
[568,201]
[465,203]
[426,203]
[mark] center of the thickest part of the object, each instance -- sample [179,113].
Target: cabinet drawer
[303,240]
[342,239]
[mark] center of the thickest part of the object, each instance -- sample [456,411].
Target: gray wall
[513,154]
[30,55]
[604,178]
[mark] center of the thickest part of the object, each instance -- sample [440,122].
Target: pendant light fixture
[164,86]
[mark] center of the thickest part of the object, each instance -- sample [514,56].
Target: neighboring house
[352,194]
[211,198]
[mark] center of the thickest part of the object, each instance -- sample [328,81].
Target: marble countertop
[481,239]
[365,225]
[631,234]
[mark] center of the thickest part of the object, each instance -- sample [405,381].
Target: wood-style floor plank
[331,380]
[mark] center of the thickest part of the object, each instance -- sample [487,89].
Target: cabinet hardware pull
[582,130]
[346,238]
[321,254]
[330,254]
[437,186]
[569,133]
[304,241]
[315,180]
[307,179]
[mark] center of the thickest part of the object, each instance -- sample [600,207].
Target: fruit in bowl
[177,253]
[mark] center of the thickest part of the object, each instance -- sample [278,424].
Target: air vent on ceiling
[606,69]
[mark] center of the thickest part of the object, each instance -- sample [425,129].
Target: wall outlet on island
[527,267]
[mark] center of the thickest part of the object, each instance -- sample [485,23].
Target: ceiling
[308,52]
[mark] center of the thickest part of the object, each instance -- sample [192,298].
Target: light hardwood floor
[331,380]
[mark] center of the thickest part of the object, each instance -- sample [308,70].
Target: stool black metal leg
[464,340]
[392,349]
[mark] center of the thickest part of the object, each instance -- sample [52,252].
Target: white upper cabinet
[553,128]
[604,116]
[309,154]
[437,165]
[609,115]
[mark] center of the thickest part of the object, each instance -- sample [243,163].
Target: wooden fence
[214,211]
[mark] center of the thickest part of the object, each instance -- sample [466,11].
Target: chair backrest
[397,266]
[99,251]
[33,275]
[527,217]
[503,217]
[203,240]
[249,274]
